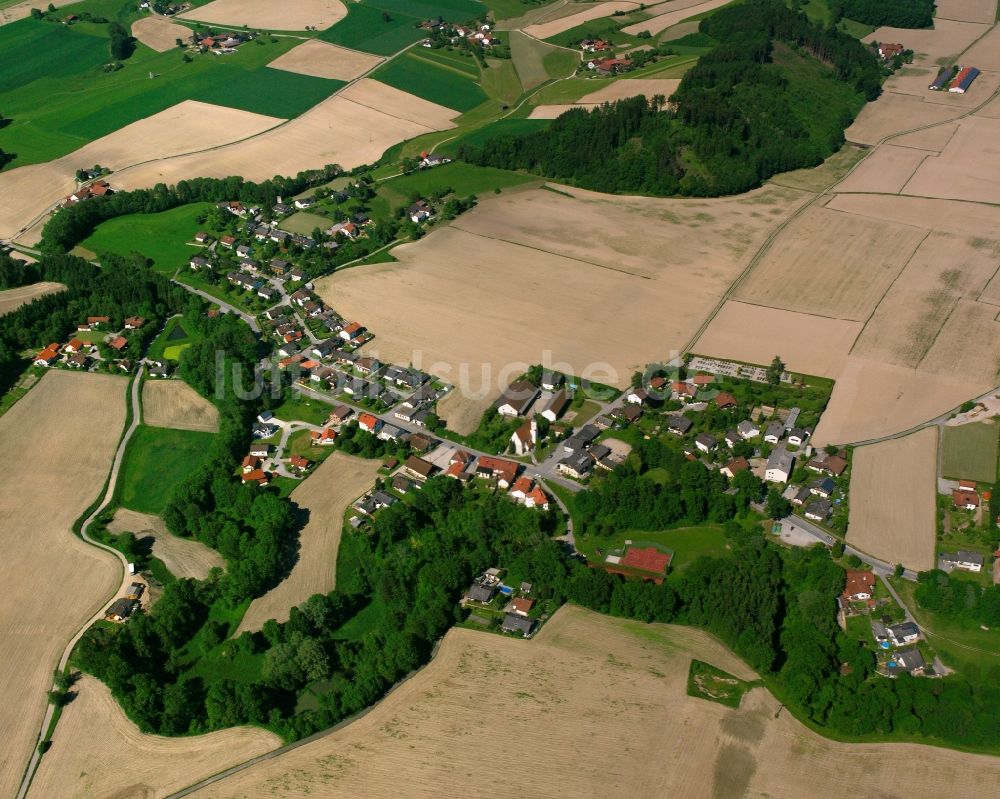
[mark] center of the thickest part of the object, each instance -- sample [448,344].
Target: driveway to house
[225,306]
[127,579]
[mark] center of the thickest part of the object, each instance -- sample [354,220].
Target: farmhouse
[779,466]
[502,470]
[963,559]
[860,585]
[516,399]
[889,50]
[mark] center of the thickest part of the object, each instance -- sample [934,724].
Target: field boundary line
[418,57]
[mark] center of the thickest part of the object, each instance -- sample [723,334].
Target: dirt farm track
[64,431]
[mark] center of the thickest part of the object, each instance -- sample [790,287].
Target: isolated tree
[777,506]
[775,370]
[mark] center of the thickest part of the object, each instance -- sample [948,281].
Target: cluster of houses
[526,400]
[609,66]
[254,468]
[595,45]
[219,43]
[479,33]
[79,354]
[516,610]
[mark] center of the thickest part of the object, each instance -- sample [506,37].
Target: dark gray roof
[513,622]
[679,423]
[904,629]
[481,593]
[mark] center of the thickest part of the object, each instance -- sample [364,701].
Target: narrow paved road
[126,577]
[250,320]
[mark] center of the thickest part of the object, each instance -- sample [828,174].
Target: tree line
[762,101]
[896,13]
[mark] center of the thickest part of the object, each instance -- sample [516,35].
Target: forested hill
[774,94]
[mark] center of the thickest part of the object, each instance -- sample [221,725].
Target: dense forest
[774,94]
[897,13]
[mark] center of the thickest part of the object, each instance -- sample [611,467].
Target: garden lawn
[162,237]
[302,409]
[58,98]
[156,461]
[171,342]
[430,80]
[969,452]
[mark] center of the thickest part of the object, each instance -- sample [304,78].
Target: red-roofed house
[323,437]
[368,422]
[703,380]
[250,462]
[734,467]
[93,321]
[48,356]
[521,606]
[683,391]
[299,463]
[649,559]
[860,585]
[351,331]
[724,400]
[74,346]
[967,485]
[119,343]
[965,499]
[258,476]
[134,322]
[503,470]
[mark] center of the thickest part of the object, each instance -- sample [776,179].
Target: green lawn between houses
[162,237]
[157,460]
[970,451]
[53,89]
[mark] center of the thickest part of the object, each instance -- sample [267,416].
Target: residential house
[197,262]
[479,592]
[610,66]
[824,488]
[636,396]
[324,437]
[119,343]
[503,471]
[724,401]
[801,496]
[516,399]
[420,211]
[860,585]
[529,493]
[819,510]
[552,380]
[352,331]
[421,443]
[968,500]
[556,405]
[80,361]
[97,321]
[747,429]
[121,609]
[833,465]
[281,209]
[403,484]
[305,202]
[904,633]
[963,559]
[797,436]
[418,467]
[250,462]
[513,623]
[678,425]
[134,322]
[227,242]
[906,660]
[521,606]
[260,450]
[390,432]
[631,413]
[577,465]
[257,476]
[74,346]
[889,50]
[581,439]
[367,421]
[685,392]
[203,238]
[339,415]
[732,438]
[299,463]
[779,466]
[705,442]
[368,366]
[774,432]
[269,293]
[734,467]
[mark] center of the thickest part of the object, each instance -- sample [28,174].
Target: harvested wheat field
[971,219]
[813,345]
[325,494]
[462,413]
[935,138]
[676,11]
[594,256]
[623,725]
[967,10]
[159,33]
[61,468]
[288,15]
[622,89]
[185,127]
[21,10]
[323,60]
[893,491]
[173,403]
[985,53]
[873,398]
[184,557]
[12,299]
[337,131]
[886,170]
[552,111]
[144,766]
[951,355]
[396,103]
[967,169]
[595,11]
[945,40]
[896,113]
[945,269]
[830,264]
[819,178]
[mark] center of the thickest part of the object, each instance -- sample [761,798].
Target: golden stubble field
[182,128]
[593,282]
[592,707]
[591,11]
[325,495]
[184,557]
[893,491]
[159,33]
[12,299]
[288,15]
[64,433]
[97,752]
[324,60]
[173,403]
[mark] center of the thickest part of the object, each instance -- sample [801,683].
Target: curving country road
[126,577]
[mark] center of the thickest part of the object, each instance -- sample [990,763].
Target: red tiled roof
[500,468]
[725,400]
[962,498]
[648,559]
[119,343]
[522,484]
[97,320]
[368,421]
[859,582]
[522,605]
[538,496]
[299,462]
[256,476]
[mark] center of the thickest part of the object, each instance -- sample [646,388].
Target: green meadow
[156,461]
[54,89]
[430,78]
